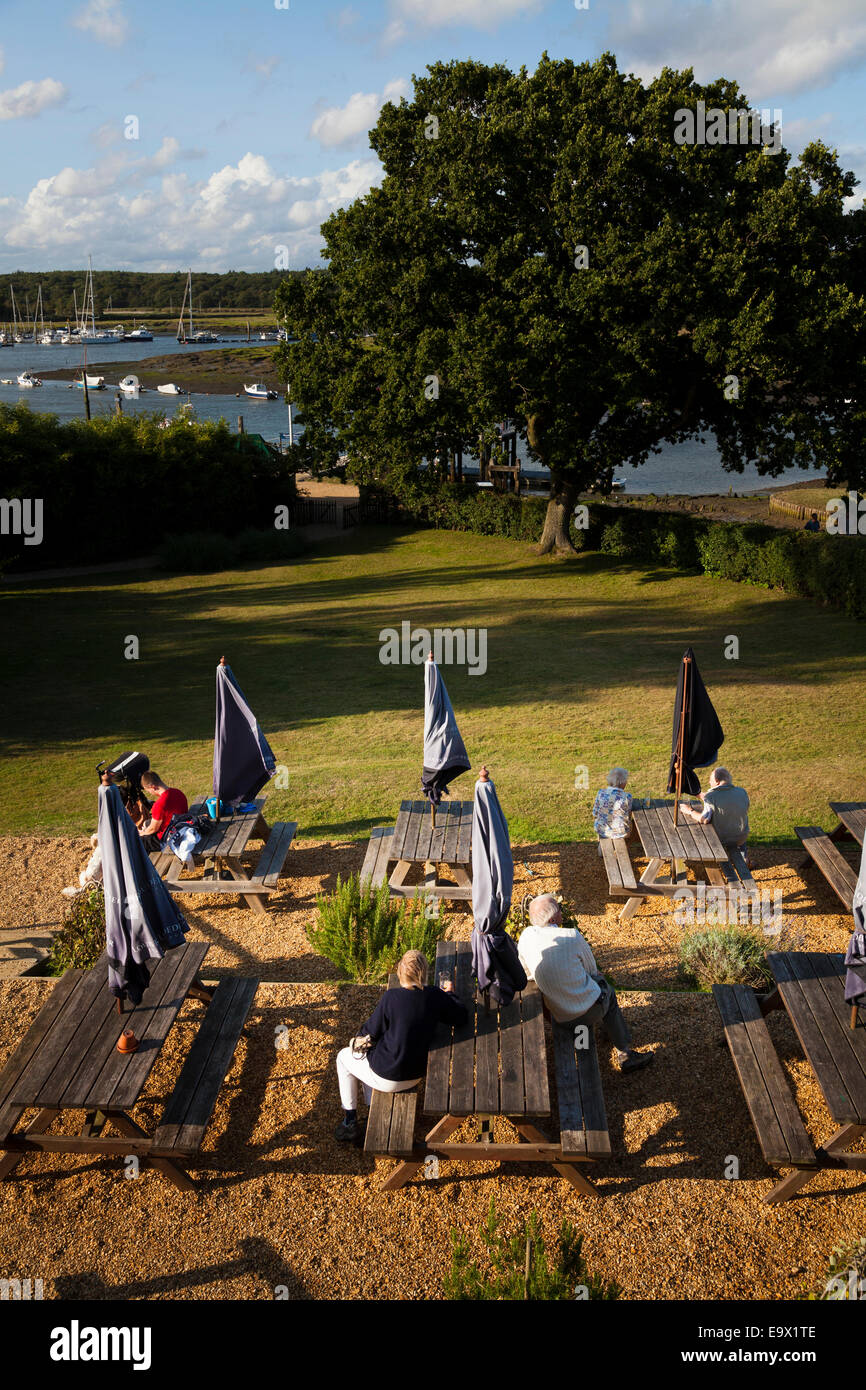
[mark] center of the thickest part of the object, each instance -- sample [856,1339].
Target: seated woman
[611,810]
[401,1027]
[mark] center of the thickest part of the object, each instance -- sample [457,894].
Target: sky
[210,133]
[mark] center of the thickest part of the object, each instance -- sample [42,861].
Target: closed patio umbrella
[242,758]
[494,954]
[855,956]
[445,753]
[142,920]
[698,735]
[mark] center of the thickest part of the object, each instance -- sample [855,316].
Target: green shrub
[364,932]
[114,486]
[202,552]
[846,1274]
[564,1276]
[733,955]
[81,940]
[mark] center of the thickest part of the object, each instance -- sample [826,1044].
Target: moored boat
[169,389]
[94,383]
[260,392]
[27,379]
[130,386]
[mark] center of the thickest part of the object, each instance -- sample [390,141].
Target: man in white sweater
[561,963]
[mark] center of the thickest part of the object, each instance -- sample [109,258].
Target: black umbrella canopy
[242,758]
[445,755]
[702,734]
[142,920]
[494,954]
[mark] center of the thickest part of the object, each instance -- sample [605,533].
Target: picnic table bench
[221,847]
[495,1064]
[394,850]
[822,848]
[810,987]
[68,1061]
[680,844]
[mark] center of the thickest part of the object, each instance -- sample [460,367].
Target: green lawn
[582,661]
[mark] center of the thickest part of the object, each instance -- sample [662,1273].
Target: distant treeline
[129,290]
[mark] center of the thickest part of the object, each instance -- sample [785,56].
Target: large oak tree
[542,249]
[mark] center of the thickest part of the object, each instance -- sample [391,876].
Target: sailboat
[204,335]
[89,334]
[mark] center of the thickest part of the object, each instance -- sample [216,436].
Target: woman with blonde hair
[390,1050]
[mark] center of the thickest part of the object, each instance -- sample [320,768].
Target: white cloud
[775,47]
[343,125]
[31,98]
[236,215]
[105,20]
[481,14]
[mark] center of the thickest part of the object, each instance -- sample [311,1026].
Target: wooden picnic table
[852,820]
[810,986]
[394,851]
[823,850]
[222,846]
[493,1065]
[68,1061]
[663,842]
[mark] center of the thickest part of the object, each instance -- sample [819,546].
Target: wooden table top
[227,838]
[852,814]
[496,1062]
[71,1053]
[812,988]
[661,839]
[416,840]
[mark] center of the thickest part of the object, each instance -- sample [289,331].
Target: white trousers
[351,1070]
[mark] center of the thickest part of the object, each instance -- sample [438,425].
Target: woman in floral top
[611,810]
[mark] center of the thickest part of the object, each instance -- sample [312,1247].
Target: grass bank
[581,663]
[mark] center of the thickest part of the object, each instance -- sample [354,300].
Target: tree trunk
[559,509]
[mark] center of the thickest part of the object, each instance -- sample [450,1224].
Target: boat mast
[190,301]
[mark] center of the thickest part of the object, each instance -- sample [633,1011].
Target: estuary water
[692,468]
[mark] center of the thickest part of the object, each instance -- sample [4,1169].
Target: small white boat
[28,379]
[204,336]
[169,389]
[94,383]
[260,392]
[130,386]
[138,335]
[6,381]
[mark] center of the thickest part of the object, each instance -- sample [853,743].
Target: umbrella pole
[681,736]
[854,1015]
[433,814]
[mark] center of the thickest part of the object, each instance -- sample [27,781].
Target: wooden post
[240,424]
[687,661]
[853,1015]
[222,662]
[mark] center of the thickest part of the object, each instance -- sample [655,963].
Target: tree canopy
[542,249]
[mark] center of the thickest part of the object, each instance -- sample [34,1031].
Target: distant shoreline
[213,372]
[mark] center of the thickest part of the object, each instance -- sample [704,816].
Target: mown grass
[582,661]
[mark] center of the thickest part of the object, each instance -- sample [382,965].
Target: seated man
[167,802]
[561,963]
[726,808]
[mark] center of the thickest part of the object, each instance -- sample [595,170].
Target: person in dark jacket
[401,1028]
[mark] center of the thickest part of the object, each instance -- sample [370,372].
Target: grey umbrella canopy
[494,954]
[142,920]
[242,758]
[855,956]
[445,753]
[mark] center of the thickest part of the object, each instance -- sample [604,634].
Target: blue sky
[252,119]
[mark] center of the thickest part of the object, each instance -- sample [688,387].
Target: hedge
[830,569]
[117,485]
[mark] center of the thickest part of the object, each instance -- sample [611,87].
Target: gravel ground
[281,1204]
